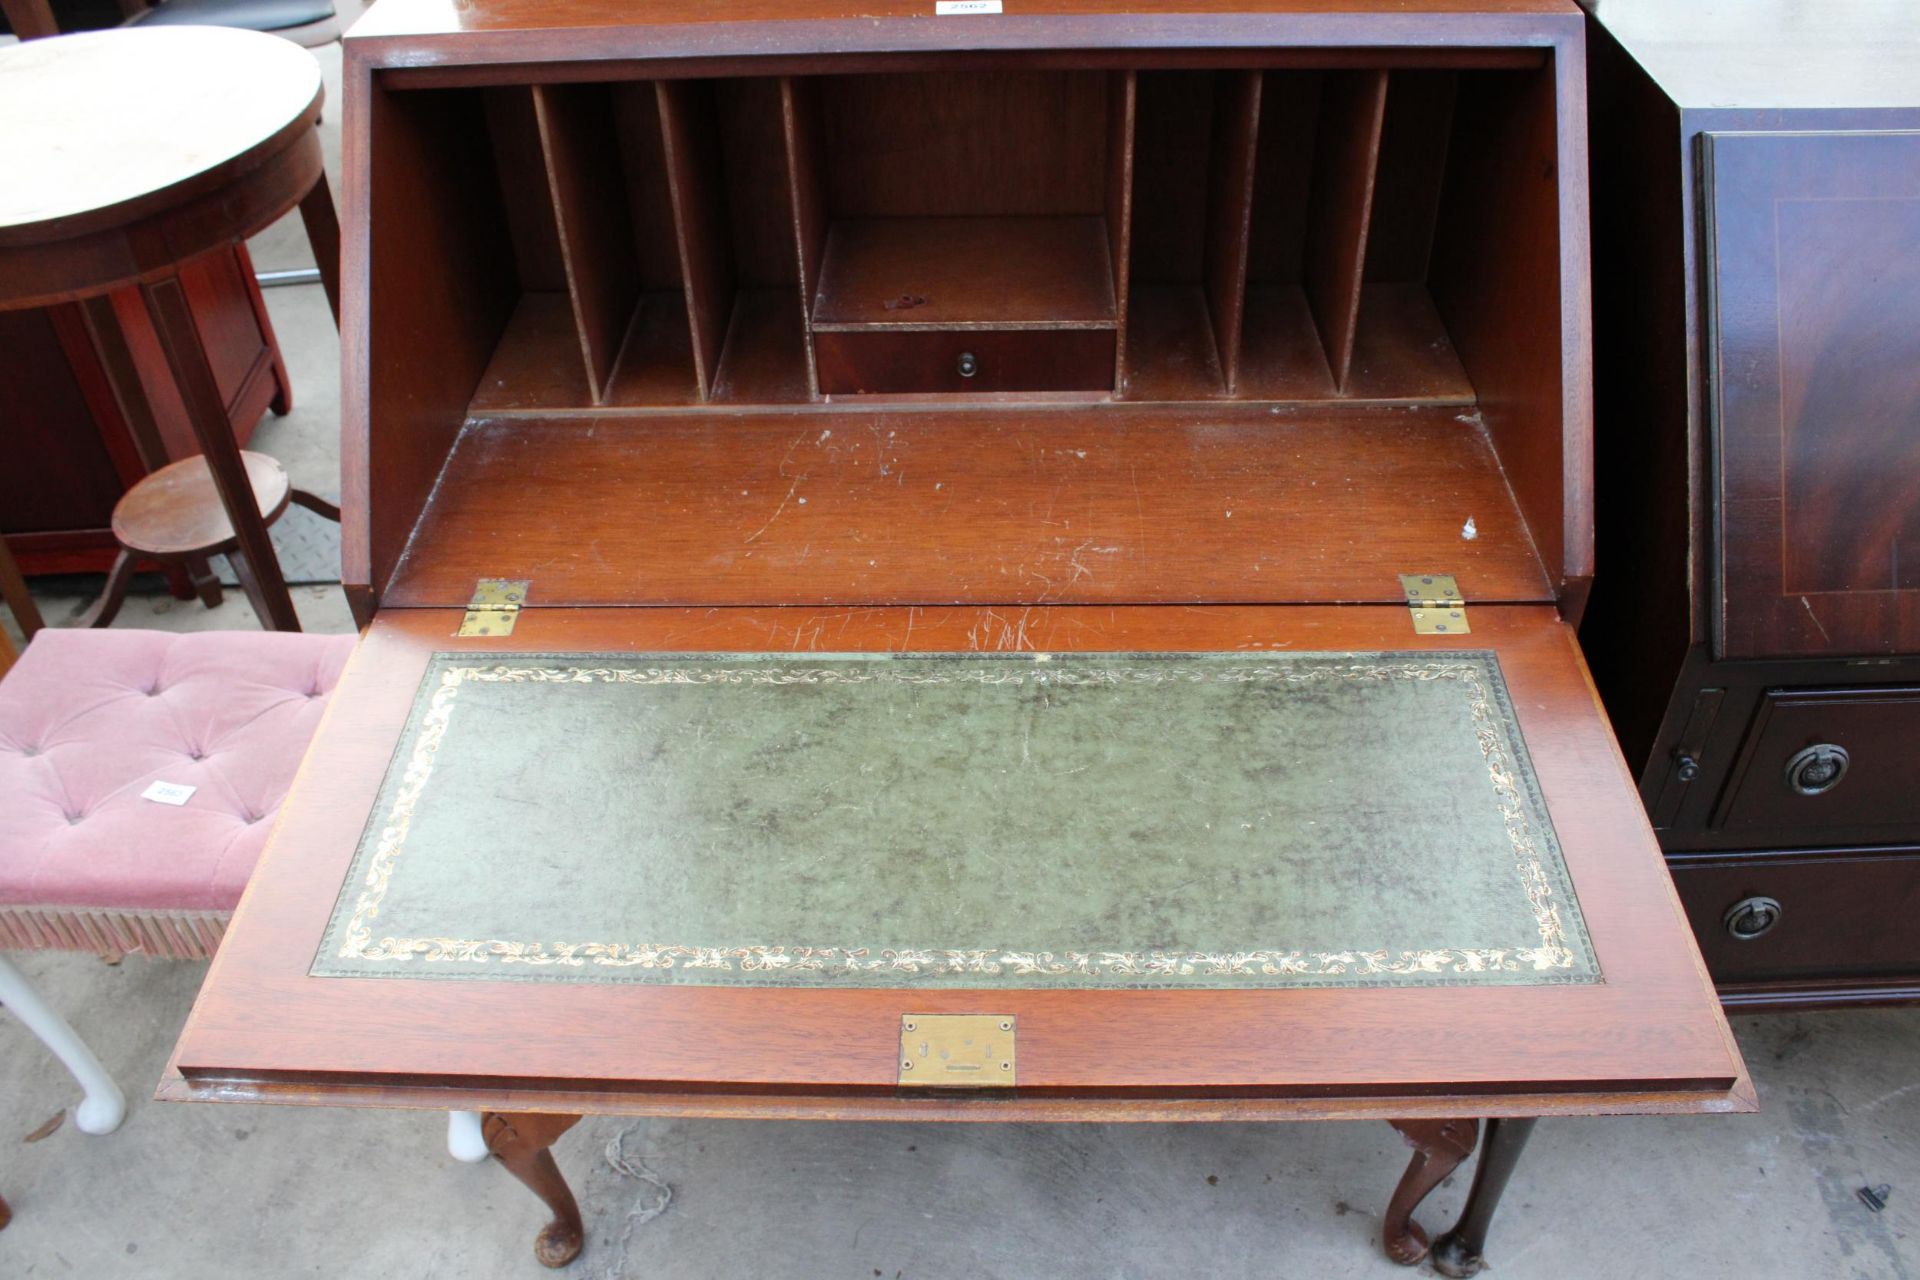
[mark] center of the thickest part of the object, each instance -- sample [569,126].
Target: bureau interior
[1355,268]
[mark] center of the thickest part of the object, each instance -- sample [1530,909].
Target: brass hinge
[494,607]
[1436,604]
[956,1050]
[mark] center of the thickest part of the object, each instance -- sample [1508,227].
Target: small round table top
[176,511]
[95,127]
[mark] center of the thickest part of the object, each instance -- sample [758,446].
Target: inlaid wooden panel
[1814,318]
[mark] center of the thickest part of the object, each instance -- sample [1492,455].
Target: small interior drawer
[1830,759]
[913,360]
[1803,915]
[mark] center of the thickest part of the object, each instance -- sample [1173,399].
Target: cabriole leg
[1438,1148]
[1460,1251]
[521,1142]
[105,1106]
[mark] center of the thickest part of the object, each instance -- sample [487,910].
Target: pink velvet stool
[90,721]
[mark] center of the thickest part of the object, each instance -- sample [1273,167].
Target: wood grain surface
[1813,331]
[1114,504]
[966,272]
[176,510]
[1126,18]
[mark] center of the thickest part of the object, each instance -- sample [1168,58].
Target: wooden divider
[691,150]
[1268,234]
[1236,131]
[520,169]
[1122,98]
[657,362]
[590,211]
[1415,137]
[806,189]
[1353,105]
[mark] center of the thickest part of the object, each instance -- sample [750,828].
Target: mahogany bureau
[1755,625]
[984,567]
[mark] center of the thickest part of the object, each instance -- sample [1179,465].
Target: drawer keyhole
[1817,769]
[968,365]
[1750,918]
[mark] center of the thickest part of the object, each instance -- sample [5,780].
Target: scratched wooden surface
[1233,504]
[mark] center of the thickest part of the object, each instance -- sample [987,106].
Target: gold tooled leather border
[1552,954]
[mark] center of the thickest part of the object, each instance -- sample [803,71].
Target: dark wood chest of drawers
[1755,620]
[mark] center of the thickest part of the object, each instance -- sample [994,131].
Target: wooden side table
[174,517]
[100,198]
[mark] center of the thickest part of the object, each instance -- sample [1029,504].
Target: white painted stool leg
[105,1106]
[465,1141]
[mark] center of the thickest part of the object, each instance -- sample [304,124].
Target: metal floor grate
[308,546]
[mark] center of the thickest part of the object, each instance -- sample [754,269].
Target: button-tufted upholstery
[88,719]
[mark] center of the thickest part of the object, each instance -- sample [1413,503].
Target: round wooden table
[127,153]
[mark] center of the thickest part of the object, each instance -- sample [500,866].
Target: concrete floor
[229,1190]
[198,1191]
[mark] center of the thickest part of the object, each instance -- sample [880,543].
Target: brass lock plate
[956,1050]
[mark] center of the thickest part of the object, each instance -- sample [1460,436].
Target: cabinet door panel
[1814,372]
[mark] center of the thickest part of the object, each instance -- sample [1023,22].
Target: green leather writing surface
[1204,820]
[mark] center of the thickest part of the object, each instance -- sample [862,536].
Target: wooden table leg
[1438,1148]
[108,339]
[521,1142]
[207,412]
[316,504]
[13,589]
[104,610]
[1460,1251]
[30,19]
[203,581]
[323,233]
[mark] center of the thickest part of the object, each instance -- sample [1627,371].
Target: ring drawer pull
[1817,769]
[1750,918]
[968,364]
